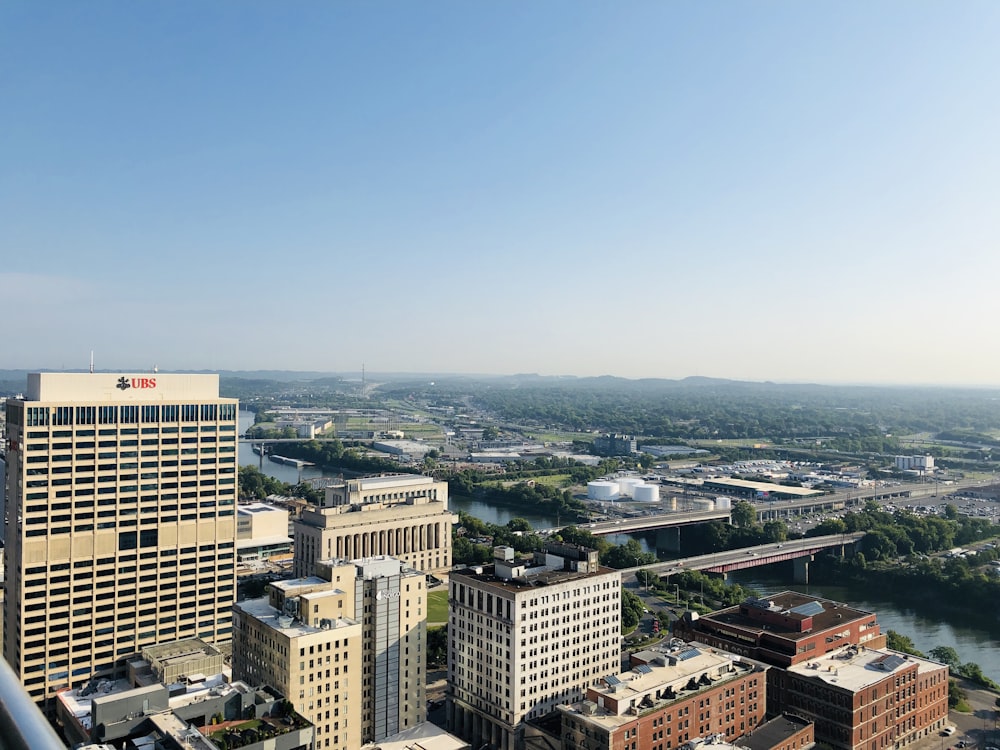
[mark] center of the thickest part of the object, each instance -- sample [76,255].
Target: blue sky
[785,191]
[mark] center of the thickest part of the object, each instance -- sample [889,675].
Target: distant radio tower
[91,361]
[363,380]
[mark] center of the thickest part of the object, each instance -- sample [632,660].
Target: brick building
[784,629]
[668,698]
[865,699]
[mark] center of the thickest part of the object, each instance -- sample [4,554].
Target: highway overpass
[724,563]
[658,521]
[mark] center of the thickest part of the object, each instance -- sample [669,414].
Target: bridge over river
[799,550]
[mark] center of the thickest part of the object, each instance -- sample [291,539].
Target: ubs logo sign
[125,383]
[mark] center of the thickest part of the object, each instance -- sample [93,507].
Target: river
[977,642]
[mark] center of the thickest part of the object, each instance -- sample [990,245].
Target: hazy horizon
[373,376]
[788,192]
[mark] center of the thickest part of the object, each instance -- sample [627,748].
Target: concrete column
[800,569]
[669,539]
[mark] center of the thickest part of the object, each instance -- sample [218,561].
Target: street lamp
[645,581]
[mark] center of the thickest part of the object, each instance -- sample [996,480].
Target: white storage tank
[646,493]
[701,503]
[723,503]
[672,503]
[627,485]
[602,489]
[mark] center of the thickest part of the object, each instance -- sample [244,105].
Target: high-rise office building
[527,635]
[346,646]
[120,521]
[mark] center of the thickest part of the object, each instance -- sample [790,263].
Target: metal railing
[22,724]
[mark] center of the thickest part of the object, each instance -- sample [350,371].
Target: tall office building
[120,521]
[527,635]
[346,646]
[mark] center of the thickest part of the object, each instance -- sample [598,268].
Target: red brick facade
[732,709]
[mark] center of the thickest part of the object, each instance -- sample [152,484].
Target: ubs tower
[120,521]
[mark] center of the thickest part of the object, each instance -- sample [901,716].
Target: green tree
[491,433]
[744,515]
[775,531]
[628,555]
[518,524]
[956,696]
[946,655]
[899,642]
[878,545]
[631,610]
[437,645]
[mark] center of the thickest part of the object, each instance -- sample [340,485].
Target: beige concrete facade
[121,528]
[404,516]
[347,647]
[525,637]
[262,533]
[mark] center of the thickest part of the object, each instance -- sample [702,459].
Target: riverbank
[928,627]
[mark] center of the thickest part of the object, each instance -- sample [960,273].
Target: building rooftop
[288,626]
[79,702]
[259,508]
[789,611]
[669,674]
[392,480]
[424,736]
[534,576]
[854,668]
[170,654]
[772,733]
[767,487]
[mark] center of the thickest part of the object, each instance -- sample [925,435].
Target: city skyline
[785,192]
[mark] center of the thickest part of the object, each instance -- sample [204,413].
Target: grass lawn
[437,606]
[555,480]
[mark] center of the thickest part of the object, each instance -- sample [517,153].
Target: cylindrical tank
[646,493]
[626,485]
[672,504]
[723,503]
[701,503]
[602,490]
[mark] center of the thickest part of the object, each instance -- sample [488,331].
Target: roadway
[771,509]
[649,523]
[750,557]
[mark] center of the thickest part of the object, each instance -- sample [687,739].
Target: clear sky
[789,191]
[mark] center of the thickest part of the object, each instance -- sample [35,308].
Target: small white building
[261,532]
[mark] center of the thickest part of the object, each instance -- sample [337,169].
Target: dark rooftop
[772,733]
[833,614]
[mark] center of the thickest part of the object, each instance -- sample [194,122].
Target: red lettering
[144,382]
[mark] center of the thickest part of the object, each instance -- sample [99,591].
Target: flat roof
[833,614]
[180,651]
[290,627]
[545,576]
[394,479]
[260,508]
[424,736]
[674,674]
[854,668]
[768,487]
[773,733]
